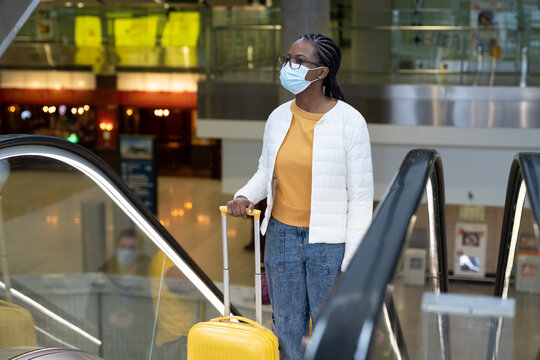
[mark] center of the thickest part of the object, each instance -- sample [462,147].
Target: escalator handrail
[9,141]
[347,322]
[525,168]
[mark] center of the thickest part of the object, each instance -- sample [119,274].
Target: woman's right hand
[237,207]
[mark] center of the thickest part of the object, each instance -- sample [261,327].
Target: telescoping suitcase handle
[258,292]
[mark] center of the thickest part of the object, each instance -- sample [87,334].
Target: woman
[315,171]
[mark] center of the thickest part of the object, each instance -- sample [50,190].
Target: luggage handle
[240,318]
[226,282]
[255,213]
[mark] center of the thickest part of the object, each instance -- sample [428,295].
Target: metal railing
[431,46]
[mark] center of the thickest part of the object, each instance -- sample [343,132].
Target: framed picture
[470,249]
[527,245]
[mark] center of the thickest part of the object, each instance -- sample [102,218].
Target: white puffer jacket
[342,175]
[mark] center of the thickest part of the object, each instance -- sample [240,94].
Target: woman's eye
[298,61]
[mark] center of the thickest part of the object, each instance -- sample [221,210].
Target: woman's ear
[323,72]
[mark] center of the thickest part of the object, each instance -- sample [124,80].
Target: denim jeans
[300,275]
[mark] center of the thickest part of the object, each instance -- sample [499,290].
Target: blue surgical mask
[126,256]
[294,80]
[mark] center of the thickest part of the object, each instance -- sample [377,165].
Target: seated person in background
[129,258]
[175,316]
[125,303]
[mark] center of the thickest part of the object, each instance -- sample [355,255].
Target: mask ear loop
[317,68]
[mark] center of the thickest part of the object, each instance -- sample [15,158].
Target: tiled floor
[188,207]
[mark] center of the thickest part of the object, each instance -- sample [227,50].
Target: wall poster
[470,249]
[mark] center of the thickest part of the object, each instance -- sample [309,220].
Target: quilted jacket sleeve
[255,189]
[359,189]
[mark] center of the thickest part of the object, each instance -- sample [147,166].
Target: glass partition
[82,268]
[405,46]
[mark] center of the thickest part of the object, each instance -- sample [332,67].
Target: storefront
[93,111]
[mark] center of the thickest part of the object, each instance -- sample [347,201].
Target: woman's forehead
[301,47]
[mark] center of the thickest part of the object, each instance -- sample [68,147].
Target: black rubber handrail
[345,327]
[525,167]
[7,141]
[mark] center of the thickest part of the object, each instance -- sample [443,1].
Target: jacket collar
[331,111]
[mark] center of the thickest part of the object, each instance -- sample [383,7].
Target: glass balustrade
[81,267]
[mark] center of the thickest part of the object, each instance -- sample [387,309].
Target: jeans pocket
[274,250]
[332,257]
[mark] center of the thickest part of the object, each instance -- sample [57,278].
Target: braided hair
[329,55]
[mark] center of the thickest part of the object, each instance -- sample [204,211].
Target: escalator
[518,265]
[84,264]
[374,309]
[378,311]
[62,203]
[115,283]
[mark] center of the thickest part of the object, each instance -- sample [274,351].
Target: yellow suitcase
[225,339]
[234,337]
[16,326]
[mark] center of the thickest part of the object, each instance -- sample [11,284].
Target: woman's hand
[237,207]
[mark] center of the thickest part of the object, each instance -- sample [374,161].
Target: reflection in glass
[83,272]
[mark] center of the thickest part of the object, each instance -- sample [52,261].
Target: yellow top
[293,170]
[176,315]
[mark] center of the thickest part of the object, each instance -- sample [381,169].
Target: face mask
[294,80]
[126,256]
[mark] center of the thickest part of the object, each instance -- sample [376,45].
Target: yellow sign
[496,52]
[88,41]
[182,29]
[137,32]
[472,213]
[88,31]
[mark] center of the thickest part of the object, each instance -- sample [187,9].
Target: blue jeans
[300,275]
